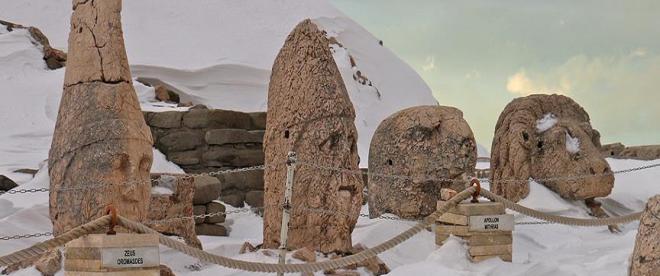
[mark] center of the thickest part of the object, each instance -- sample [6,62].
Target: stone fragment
[247,247]
[49,263]
[255,198]
[6,183]
[646,254]
[433,145]
[196,118]
[161,93]
[170,214]
[304,254]
[166,119]
[199,210]
[100,136]
[215,207]
[210,229]
[166,271]
[375,264]
[650,152]
[233,136]
[207,189]
[612,150]
[54,58]
[545,137]
[310,113]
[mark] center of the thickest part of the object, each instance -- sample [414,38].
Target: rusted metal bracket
[111,210]
[475,196]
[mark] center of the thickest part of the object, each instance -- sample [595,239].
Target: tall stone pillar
[310,113]
[101,149]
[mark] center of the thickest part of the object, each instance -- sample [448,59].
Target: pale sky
[479,55]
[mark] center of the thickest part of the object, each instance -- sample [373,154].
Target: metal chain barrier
[26,236]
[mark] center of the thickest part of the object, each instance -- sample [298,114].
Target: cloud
[619,92]
[429,64]
[520,84]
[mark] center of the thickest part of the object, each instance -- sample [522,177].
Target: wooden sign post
[485,227]
[117,255]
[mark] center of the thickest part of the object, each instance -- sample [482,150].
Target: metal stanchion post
[286,206]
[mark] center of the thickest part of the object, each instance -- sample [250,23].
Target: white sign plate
[123,257]
[491,223]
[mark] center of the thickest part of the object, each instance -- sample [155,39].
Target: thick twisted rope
[42,247]
[309,267]
[560,219]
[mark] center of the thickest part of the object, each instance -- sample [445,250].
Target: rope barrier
[42,247]
[560,219]
[309,267]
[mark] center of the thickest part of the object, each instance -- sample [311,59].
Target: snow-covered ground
[219,53]
[537,249]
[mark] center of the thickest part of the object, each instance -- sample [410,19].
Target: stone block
[233,157]
[196,118]
[229,119]
[233,136]
[210,229]
[255,198]
[167,119]
[246,181]
[199,210]
[258,120]
[235,200]
[180,141]
[207,189]
[185,157]
[215,207]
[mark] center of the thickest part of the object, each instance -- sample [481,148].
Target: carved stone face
[569,149]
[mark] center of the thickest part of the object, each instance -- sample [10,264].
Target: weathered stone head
[548,137]
[424,143]
[101,149]
[310,113]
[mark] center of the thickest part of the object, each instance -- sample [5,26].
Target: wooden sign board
[485,227]
[489,223]
[120,254]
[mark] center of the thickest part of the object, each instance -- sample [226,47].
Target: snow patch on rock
[572,143]
[548,121]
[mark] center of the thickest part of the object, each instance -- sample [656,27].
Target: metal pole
[286,205]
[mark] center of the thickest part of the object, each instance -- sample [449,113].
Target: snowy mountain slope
[220,53]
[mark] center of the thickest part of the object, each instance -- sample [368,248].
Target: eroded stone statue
[423,143]
[310,113]
[101,150]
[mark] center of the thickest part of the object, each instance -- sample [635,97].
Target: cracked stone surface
[309,112]
[533,140]
[646,255]
[424,143]
[101,149]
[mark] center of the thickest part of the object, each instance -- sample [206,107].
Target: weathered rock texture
[423,142]
[101,142]
[206,140]
[646,255]
[620,151]
[310,113]
[54,58]
[167,211]
[547,136]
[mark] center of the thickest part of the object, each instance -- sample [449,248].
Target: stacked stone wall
[207,140]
